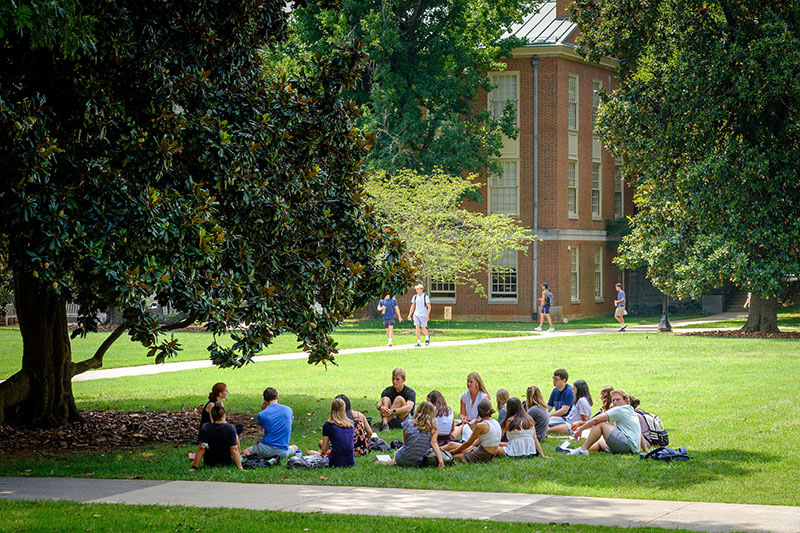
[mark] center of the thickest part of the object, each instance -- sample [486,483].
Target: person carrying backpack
[544,302]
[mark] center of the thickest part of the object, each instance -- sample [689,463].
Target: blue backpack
[667,454]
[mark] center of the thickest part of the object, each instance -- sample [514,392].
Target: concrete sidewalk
[150,369]
[501,507]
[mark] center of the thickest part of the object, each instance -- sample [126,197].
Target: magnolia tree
[447,242]
[145,151]
[707,118]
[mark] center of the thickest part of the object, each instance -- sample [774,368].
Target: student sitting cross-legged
[482,445]
[521,432]
[419,433]
[218,442]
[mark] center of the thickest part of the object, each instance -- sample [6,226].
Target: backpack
[658,435]
[667,454]
[254,461]
[550,298]
[308,462]
[430,458]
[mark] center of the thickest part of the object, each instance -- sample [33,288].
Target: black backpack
[667,454]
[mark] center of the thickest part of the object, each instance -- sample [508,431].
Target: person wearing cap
[545,302]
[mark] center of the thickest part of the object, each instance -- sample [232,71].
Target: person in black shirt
[396,401]
[219,443]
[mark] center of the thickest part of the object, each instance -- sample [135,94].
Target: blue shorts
[557,421]
[546,309]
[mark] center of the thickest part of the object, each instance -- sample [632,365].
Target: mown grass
[351,334]
[67,516]
[731,402]
[788,318]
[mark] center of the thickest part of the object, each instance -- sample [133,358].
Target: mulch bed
[106,430]
[745,334]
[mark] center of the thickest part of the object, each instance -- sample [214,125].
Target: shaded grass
[712,394]
[788,317]
[66,516]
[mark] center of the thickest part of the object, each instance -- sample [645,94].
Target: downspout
[535,64]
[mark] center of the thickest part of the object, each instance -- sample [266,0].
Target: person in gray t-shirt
[537,410]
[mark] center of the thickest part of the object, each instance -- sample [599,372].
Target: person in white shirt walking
[421,311]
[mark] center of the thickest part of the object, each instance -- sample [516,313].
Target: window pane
[503,276]
[504,190]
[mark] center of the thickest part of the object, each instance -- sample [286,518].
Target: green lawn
[351,334]
[788,318]
[731,402]
[65,516]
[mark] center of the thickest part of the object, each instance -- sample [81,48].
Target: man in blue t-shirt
[619,310]
[561,399]
[388,306]
[276,421]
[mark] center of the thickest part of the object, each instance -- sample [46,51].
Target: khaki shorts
[619,312]
[478,454]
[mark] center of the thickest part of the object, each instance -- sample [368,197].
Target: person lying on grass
[483,442]
[219,443]
[616,431]
[419,434]
[521,432]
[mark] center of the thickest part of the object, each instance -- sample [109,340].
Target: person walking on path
[544,303]
[388,306]
[421,310]
[619,310]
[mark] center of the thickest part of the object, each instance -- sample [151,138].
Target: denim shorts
[262,450]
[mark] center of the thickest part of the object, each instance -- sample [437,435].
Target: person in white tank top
[483,443]
[520,429]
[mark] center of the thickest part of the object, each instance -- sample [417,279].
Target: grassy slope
[731,402]
[64,516]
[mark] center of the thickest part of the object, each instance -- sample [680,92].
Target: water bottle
[299,453]
[272,461]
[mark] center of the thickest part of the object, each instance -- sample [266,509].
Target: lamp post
[665,325]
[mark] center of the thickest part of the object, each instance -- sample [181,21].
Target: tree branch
[182,324]
[97,359]
[13,391]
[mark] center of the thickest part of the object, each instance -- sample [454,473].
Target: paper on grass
[383,457]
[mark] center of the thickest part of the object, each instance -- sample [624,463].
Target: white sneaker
[538,329]
[389,343]
[579,451]
[551,330]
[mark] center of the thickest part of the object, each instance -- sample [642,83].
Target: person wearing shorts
[389,308]
[545,302]
[619,310]
[615,431]
[421,311]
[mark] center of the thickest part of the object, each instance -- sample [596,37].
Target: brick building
[557,179]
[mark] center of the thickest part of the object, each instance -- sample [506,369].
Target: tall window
[504,190]
[574,274]
[572,187]
[503,277]
[596,214]
[442,290]
[598,272]
[596,86]
[618,210]
[506,91]
[572,110]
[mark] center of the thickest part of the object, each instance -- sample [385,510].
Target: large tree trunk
[47,367]
[763,316]
[371,310]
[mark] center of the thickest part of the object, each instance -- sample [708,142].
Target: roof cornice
[564,51]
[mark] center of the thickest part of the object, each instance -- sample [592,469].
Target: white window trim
[504,74]
[599,214]
[618,166]
[574,216]
[577,102]
[599,85]
[490,188]
[440,299]
[499,299]
[575,298]
[599,298]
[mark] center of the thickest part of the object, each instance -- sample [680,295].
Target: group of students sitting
[474,437]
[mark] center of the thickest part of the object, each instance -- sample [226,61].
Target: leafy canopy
[448,242]
[707,119]
[427,62]
[146,151]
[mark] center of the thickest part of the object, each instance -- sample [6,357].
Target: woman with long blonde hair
[419,434]
[337,434]
[476,392]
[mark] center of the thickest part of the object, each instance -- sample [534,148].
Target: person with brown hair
[444,417]
[396,401]
[482,445]
[520,430]
[218,443]
[537,410]
[337,436]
